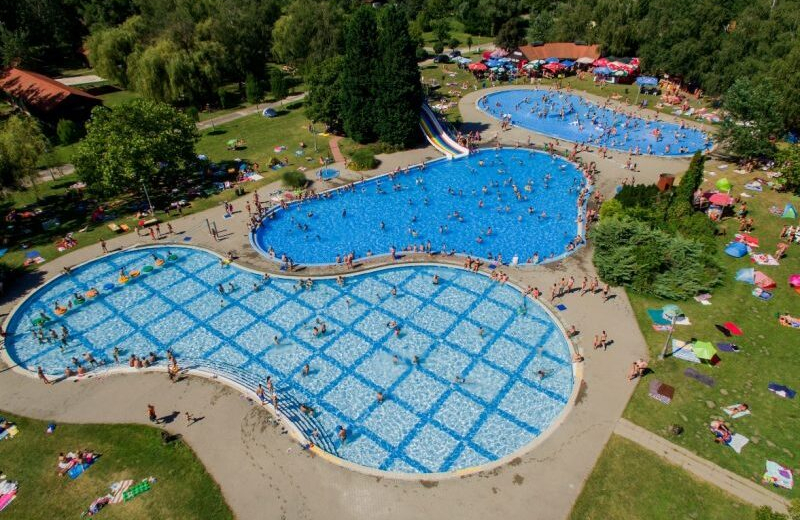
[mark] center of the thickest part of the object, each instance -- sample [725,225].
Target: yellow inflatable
[159,262]
[123,279]
[61,311]
[91,293]
[134,274]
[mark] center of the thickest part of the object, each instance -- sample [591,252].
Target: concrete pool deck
[264,473]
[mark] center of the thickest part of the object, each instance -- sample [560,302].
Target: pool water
[585,122]
[466,205]
[427,422]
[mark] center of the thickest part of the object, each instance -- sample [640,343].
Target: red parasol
[721,199]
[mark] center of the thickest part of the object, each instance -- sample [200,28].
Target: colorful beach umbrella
[724,184]
[794,280]
[671,311]
[721,199]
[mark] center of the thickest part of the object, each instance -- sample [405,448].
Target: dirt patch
[429,483]
[518,479]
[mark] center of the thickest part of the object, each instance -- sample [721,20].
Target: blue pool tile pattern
[585,122]
[427,423]
[511,202]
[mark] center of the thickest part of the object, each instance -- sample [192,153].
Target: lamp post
[147,196]
[674,312]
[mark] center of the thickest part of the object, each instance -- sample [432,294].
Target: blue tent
[568,63]
[747,275]
[268,112]
[552,60]
[647,81]
[605,71]
[736,249]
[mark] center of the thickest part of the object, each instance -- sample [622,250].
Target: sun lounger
[661,392]
[738,442]
[700,378]
[729,411]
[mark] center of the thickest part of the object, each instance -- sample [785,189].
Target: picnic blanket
[657,317]
[781,390]
[118,489]
[7,499]
[703,299]
[762,259]
[778,476]
[729,411]
[733,328]
[77,470]
[661,392]
[746,239]
[700,378]
[737,442]
[761,294]
[727,347]
[753,186]
[683,350]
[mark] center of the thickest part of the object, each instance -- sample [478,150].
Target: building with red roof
[46,98]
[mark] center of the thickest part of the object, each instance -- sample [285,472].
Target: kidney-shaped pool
[508,203]
[571,117]
[469,370]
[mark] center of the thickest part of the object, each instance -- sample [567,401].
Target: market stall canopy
[499,53]
[585,61]
[554,67]
[551,59]
[568,63]
[647,81]
[600,62]
[477,66]
[601,71]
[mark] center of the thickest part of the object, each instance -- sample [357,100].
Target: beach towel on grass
[7,499]
[700,378]
[729,411]
[762,259]
[703,299]
[76,471]
[782,391]
[778,476]
[117,490]
[738,442]
[662,328]
[683,350]
[733,328]
[727,347]
[661,392]
[657,317]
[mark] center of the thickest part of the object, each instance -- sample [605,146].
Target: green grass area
[183,489]
[632,483]
[768,353]
[262,135]
[457,32]
[114,99]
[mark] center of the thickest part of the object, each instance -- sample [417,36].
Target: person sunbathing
[65,463]
[739,408]
[722,434]
[638,369]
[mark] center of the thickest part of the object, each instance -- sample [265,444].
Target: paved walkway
[335,151]
[703,469]
[80,80]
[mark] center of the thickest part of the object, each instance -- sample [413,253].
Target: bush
[68,131]
[252,89]
[278,85]
[438,48]
[294,179]
[612,208]
[363,159]
[422,54]
[193,113]
[227,99]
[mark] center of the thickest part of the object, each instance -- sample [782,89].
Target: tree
[323,103]
[753,121]
[308,33]
[511,34]
[540,28]
[788,160]
[252,89]
[453,43]
[277,84]
[67,131]
[357,82]
[22,144]
[692,179]
[141,142]
[469,42]
[441,31]
[399,91]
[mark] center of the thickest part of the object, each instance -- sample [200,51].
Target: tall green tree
[308,33]
[323,103]
[358,75]
[142,142]
[22,144]
[399,91]
[754,120]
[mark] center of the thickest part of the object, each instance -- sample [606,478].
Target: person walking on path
[104,247]
[606,295]
[151,414]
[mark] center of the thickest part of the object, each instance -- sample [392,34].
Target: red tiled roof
[568,51]
[37,91]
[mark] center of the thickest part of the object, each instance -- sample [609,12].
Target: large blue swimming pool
[571,117]
[508,202]
[464,326]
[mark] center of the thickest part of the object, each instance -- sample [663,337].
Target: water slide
[438,136]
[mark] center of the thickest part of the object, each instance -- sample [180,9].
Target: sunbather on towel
[65,463]
[722,434]
[637,369]
[737,408]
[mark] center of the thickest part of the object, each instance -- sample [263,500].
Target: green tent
[704,349]
[724,184]
[671,311]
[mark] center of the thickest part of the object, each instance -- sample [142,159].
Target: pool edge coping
[577,374]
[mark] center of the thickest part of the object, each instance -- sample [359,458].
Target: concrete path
[335,151]
[701,468]
[80,80]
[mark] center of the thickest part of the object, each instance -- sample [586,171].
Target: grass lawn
[262,135]
[114,99]
[457,32]
[632,483]
[183,489]
[768,353]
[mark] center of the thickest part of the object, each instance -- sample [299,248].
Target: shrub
[438,48]
[227,99]
[363,159]
[193,113]
[68,131]
[252,89]
[422,54]
[294,179]
[612,208]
